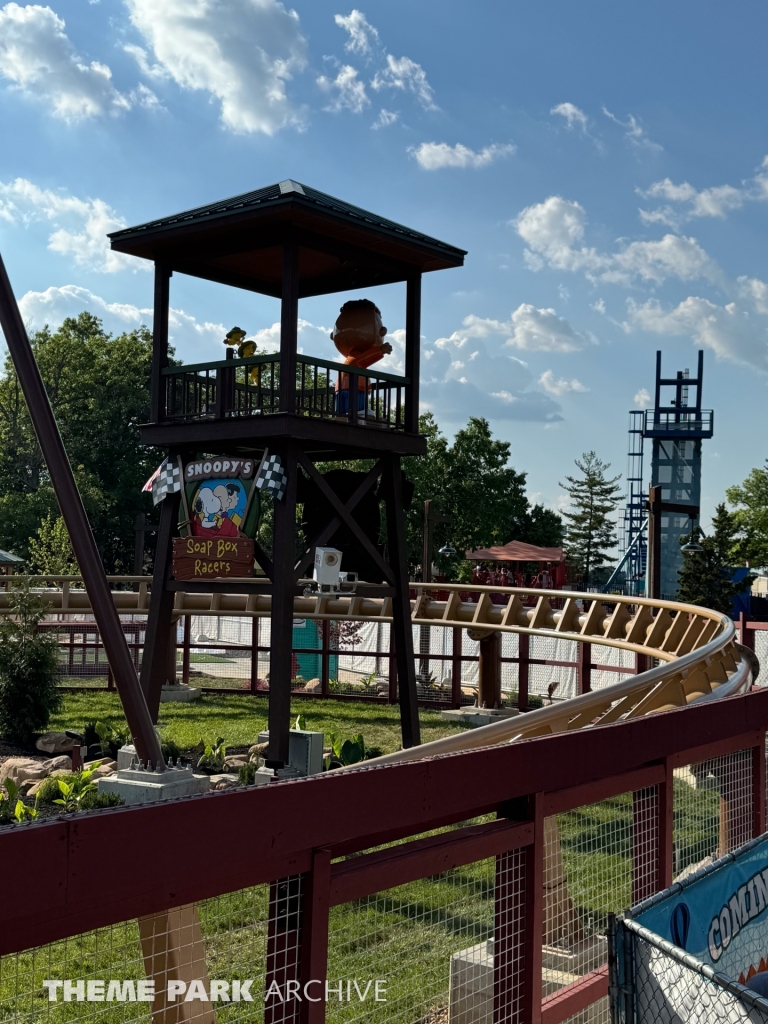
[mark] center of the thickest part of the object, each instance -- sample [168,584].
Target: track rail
[696,648]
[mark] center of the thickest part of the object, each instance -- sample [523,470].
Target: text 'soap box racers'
[220,513]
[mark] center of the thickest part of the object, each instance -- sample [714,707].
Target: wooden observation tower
[288,241]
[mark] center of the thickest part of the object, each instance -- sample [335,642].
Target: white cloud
[572,115]
[755,290]
[528,328]
[642,399]
[347,90]
[241,52]
[599,306]
[709,202]
[38,57]
[559,387]
[80,226]
[671,256]
[405,74]
[723,329]
[434,155]
[193,338]
[385,119]
[311,338]
[483,383]
[634,132]
[55,304]
[141,57]
[361,32]
[553,230]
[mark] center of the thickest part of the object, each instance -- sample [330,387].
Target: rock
[313,686]
[56,763]
[20,769]
[234,761]
[224,781]
[258,750]
[55,743]
[104,769]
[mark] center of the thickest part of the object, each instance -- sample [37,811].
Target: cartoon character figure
[358,334]
[229,497]
[207,513]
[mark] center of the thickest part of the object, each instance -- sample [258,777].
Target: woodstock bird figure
[245,349]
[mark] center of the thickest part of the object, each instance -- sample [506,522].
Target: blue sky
[605,165]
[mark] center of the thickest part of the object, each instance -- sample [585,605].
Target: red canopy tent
[516,551]
[551,563]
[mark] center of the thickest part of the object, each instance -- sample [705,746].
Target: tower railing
[685,421]
[236,388]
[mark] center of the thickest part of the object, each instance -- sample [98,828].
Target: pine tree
[589,532]
[705,578]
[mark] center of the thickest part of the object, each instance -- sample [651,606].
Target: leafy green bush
[246,773]
[93,800]
[212,755]
[29,669]
[49,789]
[105,737]
[345,752]
[12,807]
[75,788]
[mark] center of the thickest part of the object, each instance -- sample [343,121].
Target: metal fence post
[185,649]
[325,657]
[523,670]
[758,786]
[456,667]
[254,653]
[584,669]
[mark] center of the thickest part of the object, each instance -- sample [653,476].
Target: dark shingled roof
[283,192]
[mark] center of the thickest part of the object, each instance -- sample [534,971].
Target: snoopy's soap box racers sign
[219,514]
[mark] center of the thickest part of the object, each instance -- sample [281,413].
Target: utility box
[305,750]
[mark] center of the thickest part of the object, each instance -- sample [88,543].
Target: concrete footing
[474,716]
[179,692]
[138,785]
[471,979]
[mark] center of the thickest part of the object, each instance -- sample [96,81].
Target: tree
[705,578]
[751,518]
[50,550]
[589,532]
[98,386]
[29,669]
[473,483]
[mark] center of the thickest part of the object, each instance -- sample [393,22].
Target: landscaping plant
[212,755]
[29,669]
[74,788]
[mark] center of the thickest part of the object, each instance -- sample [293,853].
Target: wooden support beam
[412,352]
[78,527]
[289,327]
[154,662]
[159,342]
[401,607]
[284,589]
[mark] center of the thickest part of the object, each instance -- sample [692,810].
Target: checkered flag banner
[164,481]
[272,476]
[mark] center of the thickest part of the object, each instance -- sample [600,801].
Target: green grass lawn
[240,718]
